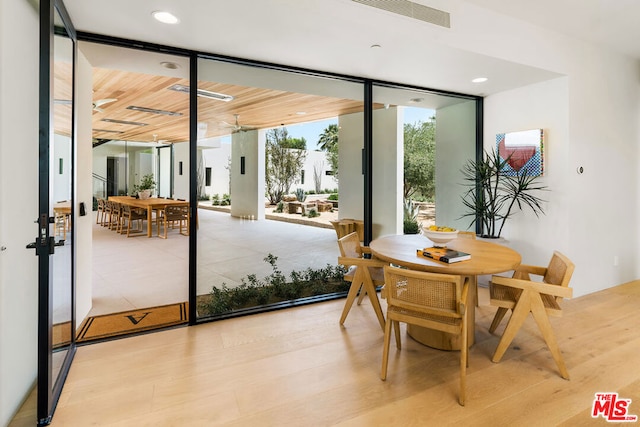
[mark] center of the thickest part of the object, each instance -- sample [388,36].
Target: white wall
[316,159]
[18,203]
[544,105]
[455,145]
[598,130]
[350,193]
[84,188]
[61,181]
[247,190]
[181,182]
[388,175]
[590,119]
[217,159]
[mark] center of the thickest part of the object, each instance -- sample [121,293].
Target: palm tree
[328,138]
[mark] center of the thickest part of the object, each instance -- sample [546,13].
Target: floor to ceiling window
[421,140]
[275,168]
[279,169]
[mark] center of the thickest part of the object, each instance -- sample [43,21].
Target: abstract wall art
[522,151]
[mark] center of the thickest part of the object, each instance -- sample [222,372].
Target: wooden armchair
[430,300]
[132,216]
[523,296]
[174,214]
[363,273]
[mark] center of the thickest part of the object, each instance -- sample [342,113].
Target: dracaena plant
[493,197]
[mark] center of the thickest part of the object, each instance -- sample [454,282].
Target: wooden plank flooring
[298,367]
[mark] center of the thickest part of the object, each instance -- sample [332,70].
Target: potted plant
[493,196]
[146,185]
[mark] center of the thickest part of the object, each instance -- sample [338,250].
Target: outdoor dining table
[150,204]
[486,258]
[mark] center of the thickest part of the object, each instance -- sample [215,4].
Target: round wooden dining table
[486,258]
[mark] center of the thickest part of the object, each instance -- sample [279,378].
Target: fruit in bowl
[440,235]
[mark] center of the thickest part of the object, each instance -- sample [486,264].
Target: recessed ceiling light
[165,17]
[479,80]
[416,100]
[375,46]
[170,65]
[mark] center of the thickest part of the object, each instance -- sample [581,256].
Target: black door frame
[49,388]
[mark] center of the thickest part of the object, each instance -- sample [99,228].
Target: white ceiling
[610,23]
[336,35]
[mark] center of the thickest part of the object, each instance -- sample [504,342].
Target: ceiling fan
[237,127]
[100,102]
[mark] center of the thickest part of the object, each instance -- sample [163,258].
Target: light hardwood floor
[298,367]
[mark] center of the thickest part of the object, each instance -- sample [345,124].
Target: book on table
[444,254]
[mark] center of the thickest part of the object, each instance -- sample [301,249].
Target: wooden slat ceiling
[256,107]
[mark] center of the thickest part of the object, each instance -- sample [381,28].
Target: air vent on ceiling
[203,93]
[412,10]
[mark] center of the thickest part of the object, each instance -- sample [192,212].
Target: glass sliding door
[420,142]
[279,161]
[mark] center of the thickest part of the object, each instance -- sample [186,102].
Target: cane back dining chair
[363,273]
[523,296]
[430,300]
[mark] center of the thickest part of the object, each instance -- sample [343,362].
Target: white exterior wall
[316,159]
[350,194]
[181,182]
[61,181]
[247,190]
[18,203]
[218,159]
[388,175]
[455,145]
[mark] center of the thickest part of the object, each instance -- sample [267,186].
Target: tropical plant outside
[328,142]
